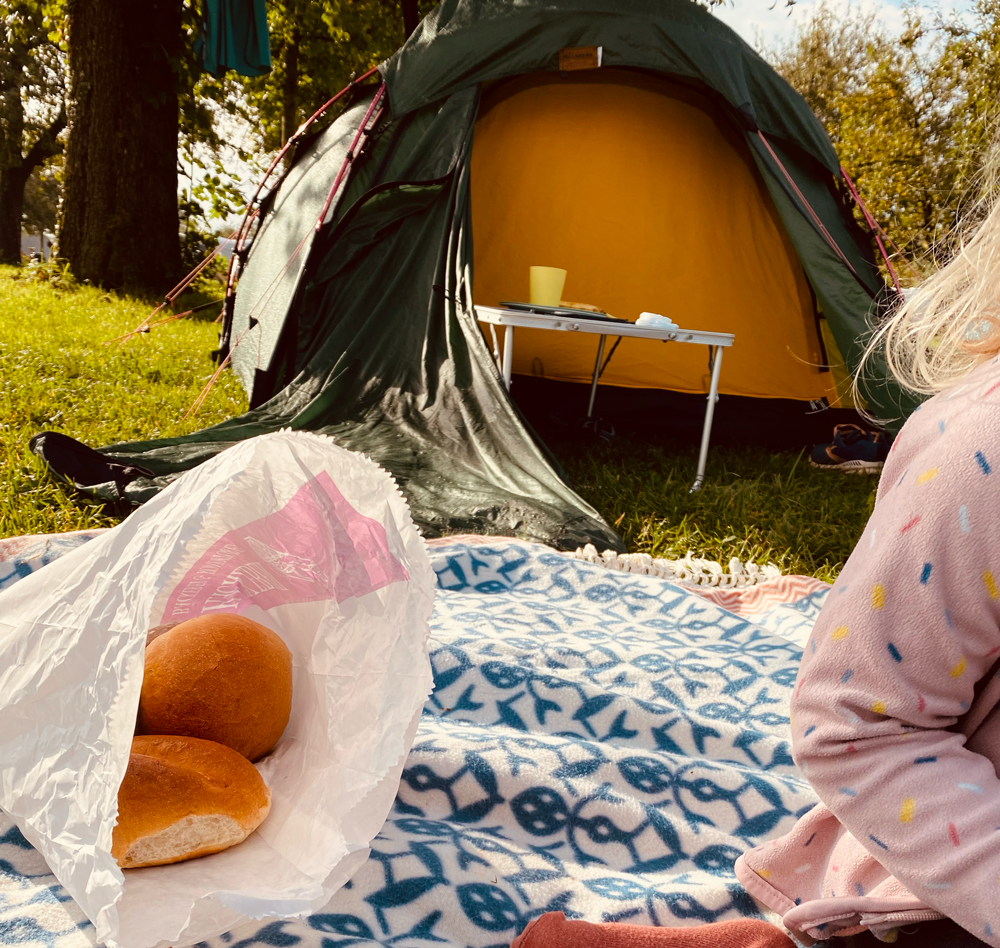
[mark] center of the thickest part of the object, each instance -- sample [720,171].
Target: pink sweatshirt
[896,711]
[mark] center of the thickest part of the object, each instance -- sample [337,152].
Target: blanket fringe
[688,571]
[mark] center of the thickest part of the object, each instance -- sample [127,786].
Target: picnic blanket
[598,743]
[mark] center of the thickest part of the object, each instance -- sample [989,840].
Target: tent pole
[597,375]
[817,223]
[875,228]
[706,431]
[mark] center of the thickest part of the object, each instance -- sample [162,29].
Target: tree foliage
[230,126]
[118,223]
[41,201]
[317,46]
[909,115]
[32,115]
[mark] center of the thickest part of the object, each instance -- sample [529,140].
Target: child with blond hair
[896,710]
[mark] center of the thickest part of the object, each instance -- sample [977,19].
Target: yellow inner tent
[626,181]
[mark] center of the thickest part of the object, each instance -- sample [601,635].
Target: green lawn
[758,506]
[57,373]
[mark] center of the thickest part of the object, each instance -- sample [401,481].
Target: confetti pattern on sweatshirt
[893,717]
[878,596]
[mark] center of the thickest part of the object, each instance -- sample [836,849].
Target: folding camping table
[716,342]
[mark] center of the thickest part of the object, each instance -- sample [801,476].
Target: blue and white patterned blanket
[599,743]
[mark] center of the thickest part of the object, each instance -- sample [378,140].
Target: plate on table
[540,310]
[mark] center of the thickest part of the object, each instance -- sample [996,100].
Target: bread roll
[222,678]
[183,797]
[587,307]
[158,630]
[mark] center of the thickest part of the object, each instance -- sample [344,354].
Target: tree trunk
[12,182]
[411,16]
[13,179]
[119,222]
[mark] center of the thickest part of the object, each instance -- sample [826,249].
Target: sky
[755,22]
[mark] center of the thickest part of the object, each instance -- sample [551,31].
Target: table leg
[497,358]
[508,354]
[706,431]
[597,374]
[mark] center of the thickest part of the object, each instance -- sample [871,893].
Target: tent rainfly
[680,175]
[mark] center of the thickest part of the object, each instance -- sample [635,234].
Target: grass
[759,506]
[57,373]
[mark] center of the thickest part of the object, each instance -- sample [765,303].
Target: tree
[411,16]
[118,221]
[31,111]
[908,115]
[133,84]
[975,54]
[317,46]
[41,203]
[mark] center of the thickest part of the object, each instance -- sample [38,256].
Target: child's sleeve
[908,639]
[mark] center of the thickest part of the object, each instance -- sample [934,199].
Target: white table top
[499,316]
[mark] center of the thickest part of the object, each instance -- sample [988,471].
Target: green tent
[362,329]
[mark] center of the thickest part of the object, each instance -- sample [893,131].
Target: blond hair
[950,323]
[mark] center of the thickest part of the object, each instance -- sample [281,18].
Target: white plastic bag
[313,541]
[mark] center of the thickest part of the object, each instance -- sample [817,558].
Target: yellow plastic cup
[546,285]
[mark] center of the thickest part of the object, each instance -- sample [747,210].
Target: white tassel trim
[689,571]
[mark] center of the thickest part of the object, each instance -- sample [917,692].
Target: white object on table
[716,341]
[655,321]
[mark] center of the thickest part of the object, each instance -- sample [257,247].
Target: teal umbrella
[234,36]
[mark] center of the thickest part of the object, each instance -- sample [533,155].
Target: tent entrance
[650,202]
